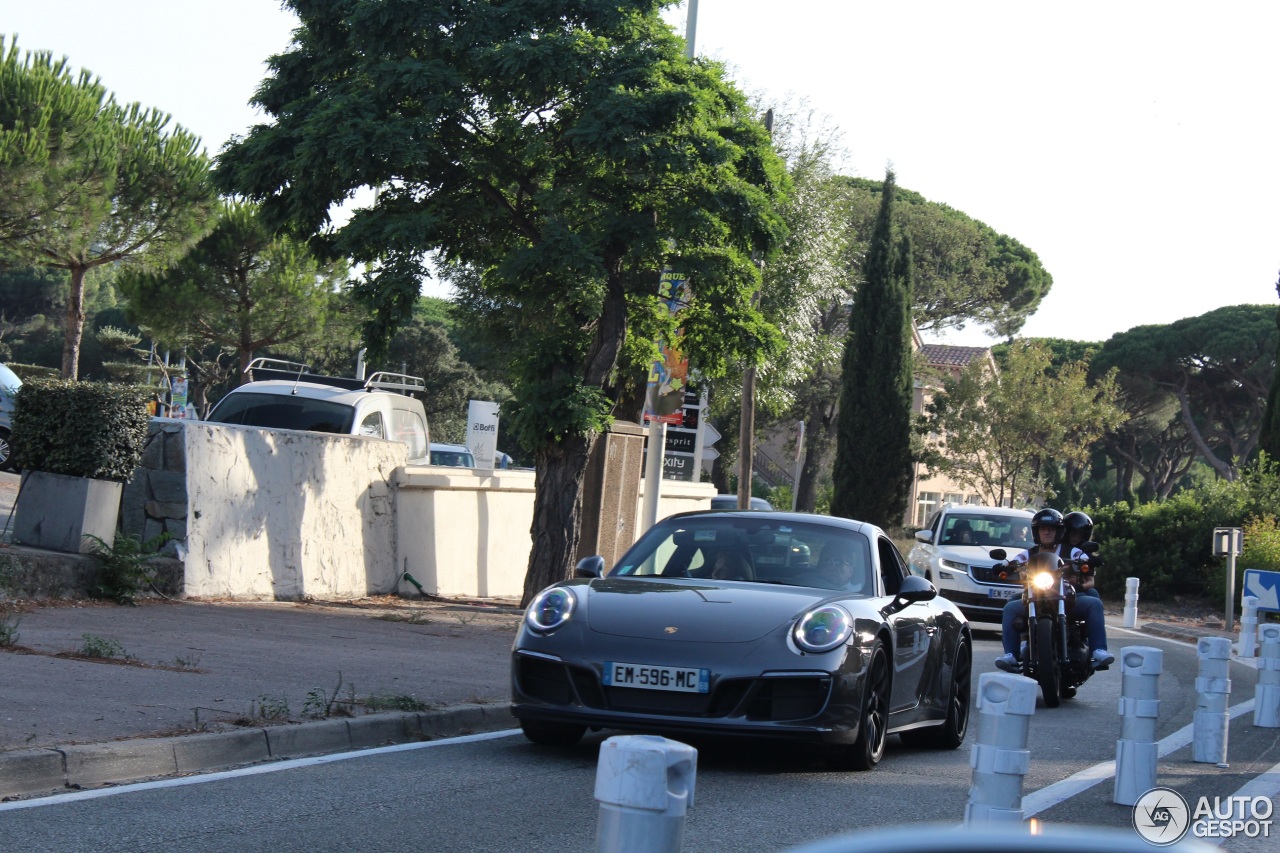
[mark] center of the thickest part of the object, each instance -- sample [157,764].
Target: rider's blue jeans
[1087,608]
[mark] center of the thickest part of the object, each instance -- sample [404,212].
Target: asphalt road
[498,792]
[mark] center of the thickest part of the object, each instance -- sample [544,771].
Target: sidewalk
[181,687]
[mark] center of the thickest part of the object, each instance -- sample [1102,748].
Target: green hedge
[83,429]
[1168,545]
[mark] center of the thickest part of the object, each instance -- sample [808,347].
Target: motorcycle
[1056,652]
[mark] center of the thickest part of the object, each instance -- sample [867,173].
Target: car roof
[453,448]
[309,390]
[756,515]
[971,509]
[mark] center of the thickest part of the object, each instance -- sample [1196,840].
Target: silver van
[285,395]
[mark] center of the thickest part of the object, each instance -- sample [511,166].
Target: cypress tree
[1269,439]
[873,467]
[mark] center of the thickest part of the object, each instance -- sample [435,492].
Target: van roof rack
[262,369]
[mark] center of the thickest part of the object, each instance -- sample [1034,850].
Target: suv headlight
[823,629]
[952,564]
[549,609]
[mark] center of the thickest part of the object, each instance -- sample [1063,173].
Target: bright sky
[1134,146]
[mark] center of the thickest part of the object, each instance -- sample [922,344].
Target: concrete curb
[59,769]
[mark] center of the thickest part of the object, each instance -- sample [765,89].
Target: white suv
[954,553]
[284,395]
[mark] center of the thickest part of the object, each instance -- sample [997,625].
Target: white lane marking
[1051,795]
[1263,785]
[59,799]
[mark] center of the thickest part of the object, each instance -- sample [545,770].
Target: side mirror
[998,554]
[1090,547]
[914,590]
[589,567]
[925,536]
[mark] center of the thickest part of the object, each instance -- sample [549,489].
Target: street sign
[712,435]
[1264,586]
[1227,541]
[680,440]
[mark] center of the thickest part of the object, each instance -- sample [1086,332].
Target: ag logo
[1161,816]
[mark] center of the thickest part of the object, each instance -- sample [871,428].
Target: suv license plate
[1006,594]
[646,677]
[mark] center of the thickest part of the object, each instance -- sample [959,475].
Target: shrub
[82,429]
[1169,545]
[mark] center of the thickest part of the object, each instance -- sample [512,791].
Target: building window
[954,499]
[974,500]
[925,505]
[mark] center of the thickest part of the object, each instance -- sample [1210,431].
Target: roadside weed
[92,646]
[123,572]
[8,629]
[393,702]
[267,708]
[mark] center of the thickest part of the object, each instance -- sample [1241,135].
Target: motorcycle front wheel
[1048,668]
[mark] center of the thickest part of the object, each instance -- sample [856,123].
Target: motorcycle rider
[1080,530]
[1048,529]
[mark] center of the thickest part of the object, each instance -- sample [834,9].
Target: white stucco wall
[277,514]
[282,515]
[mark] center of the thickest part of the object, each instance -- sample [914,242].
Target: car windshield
[278,411]
[987,531]
[764,550]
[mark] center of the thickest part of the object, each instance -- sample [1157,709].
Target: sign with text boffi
[482,432]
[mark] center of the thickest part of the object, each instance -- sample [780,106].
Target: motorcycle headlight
[550,609]
[1043,580]
[823,629]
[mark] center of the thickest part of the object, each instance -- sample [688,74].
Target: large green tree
[874,463]
[1217,366]
[115,184]
[241,287]
[1269,439]
[562,151]
[998,431]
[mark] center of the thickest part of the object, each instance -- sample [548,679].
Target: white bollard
[1131,602]
[1137,753]
[1248,644]
[644,784]
[1000,758]
[1266,701]
[1213,692]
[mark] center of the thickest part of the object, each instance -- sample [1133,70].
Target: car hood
[975,554]
[694,611]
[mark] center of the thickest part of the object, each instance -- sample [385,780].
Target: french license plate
[648,677]
[1006,594]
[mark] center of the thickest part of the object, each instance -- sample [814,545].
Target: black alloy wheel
[868,749]
[6,453]
[951,733]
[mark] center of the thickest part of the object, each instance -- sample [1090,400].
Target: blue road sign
[1264,586]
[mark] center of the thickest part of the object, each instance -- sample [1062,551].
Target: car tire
[1048,671]
[868,749]
[951,733]
[552,734]
[6,453]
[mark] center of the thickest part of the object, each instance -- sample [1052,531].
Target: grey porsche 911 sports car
[761,624]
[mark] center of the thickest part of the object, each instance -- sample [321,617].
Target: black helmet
[1079,521]
[1048,518]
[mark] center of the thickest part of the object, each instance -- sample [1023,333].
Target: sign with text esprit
[482,431]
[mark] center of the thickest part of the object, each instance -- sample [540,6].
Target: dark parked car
[763,624]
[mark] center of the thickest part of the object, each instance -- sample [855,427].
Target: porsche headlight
[1043,580]
[823,629]
[549,609]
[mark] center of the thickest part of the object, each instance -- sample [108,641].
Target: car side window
[371,425]
[892,570]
